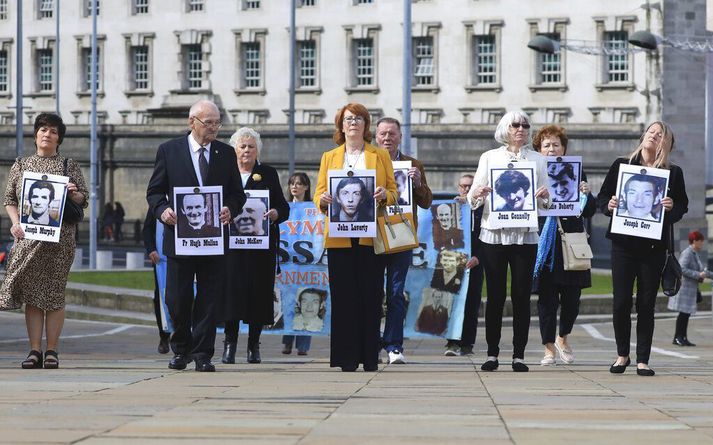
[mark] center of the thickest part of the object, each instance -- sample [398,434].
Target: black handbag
[73,212]
[671,273]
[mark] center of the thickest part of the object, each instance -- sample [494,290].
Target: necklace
[351,163]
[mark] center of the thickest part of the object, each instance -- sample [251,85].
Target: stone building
[470,60]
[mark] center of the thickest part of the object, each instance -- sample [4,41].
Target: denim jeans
[397,265]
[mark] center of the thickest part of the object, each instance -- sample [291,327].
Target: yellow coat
[374,158]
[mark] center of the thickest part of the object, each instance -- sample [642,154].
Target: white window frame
[45,9]
[45,70]
[195,5]
[85,79]
[307,64]
[131,43]
[4,71]
[87,7]
[246,41]
[356,35]
[605,26]
[140,69]
[194,75]
[306,3]
[140,7]
[3,9]
[424,62]
[474,32]
[549,71]
[250,5]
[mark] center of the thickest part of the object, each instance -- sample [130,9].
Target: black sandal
[33,360]
[51,359]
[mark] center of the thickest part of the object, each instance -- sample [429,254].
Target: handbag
[73,212]
[576,252]
[671,273]
[394,233]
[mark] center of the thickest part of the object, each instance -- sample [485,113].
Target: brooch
[257,177]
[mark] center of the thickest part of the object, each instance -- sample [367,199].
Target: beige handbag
[576,253]
[394,233]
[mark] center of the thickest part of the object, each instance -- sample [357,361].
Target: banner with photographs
[250,229]
[512,200]
[353,209]
[564,174]
[42,207]
[161,269]
[198,229]
[404,186]
[640,191]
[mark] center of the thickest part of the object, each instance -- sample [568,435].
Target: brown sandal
[33,360]
[51,359]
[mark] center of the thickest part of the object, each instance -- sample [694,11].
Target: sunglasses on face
[517,125]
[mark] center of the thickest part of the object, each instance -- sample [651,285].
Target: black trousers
[682,325]
[521,259]
[472,306]
[157,307]
[194,318]
[553,296]
[356,283]
[231,332]
[644,267]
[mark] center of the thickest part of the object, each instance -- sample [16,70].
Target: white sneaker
[548,360]
[566,354]
[396,358]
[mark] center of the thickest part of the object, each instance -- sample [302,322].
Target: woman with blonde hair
[641,259]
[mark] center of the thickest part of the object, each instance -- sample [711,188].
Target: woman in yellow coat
[356,274]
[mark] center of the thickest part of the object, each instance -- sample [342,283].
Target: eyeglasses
[517,125]
[465,186]
[214,124]
[353,120]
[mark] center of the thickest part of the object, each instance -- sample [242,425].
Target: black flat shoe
[51,359]
[490,365]
[179,361]
[349,368]
[519,367]
[619,369]
[33,360]
[204,365]
[678,341]
[371,368]
[646,372]
[687,343]
[163,347]
[229,348]
[254,354]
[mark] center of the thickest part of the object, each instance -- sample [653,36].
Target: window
[45,65]
[307,63]
[363,2]
[252,77]
[251,4]
[45,9]
[140,68]
[423,61]
[194,67]
[485,60]
[616,48]
[140,7]
[306,2]
[195,5]
[550,65]
[4,79]
[258,117]
[88,7]
[363,54]
[3,9]
[87,69]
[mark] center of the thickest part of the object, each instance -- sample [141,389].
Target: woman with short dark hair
[43,299]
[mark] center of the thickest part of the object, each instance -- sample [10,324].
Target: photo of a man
[310,309]
[40,196]
[251,221]
[448,275]
[446,235]
[353,200]
[641,197]
[194,220]
[401,178]
[433,317]
[563,181]
[513,190]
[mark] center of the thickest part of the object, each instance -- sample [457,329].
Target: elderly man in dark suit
[194,159]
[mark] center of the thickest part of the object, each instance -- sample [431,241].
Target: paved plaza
[113,388]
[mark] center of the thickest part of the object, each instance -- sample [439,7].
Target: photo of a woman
[448,275]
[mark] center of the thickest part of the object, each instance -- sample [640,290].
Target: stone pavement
[112,388]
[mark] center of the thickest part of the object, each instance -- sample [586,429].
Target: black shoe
[678,341]
[254,354]
[33,360]
[687,343]
[619,369]
[229,348]
[349,368]
[371,368]
[519,367]
[466,350]
[490,365]
[646,372]
[163,346]
[179,361]
[204,365]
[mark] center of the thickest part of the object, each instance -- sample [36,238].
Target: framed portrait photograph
[564,174]
[404,186]
[434,311]
[640,191]
[250,229]
[198,229]
[513,197]
[42,208]
[447,231]
[310,310]
[353,209]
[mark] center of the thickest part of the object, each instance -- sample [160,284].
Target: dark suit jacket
[174,168]
[149,232]
[186,231]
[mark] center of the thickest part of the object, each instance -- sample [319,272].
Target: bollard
[105,259]
[77,262]
[134,260]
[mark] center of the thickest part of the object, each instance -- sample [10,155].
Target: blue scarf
[546,246]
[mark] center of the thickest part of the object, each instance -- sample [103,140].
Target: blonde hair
[662,150]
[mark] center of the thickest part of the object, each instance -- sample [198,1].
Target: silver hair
[246,132]
[502,132]
[200,105]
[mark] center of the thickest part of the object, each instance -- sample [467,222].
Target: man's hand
[271,214]
[154,257]
[380,194]
[613,203]
[225,216]
[667,203]
[169,217]
[16,231]
[472,262]
[415,175]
